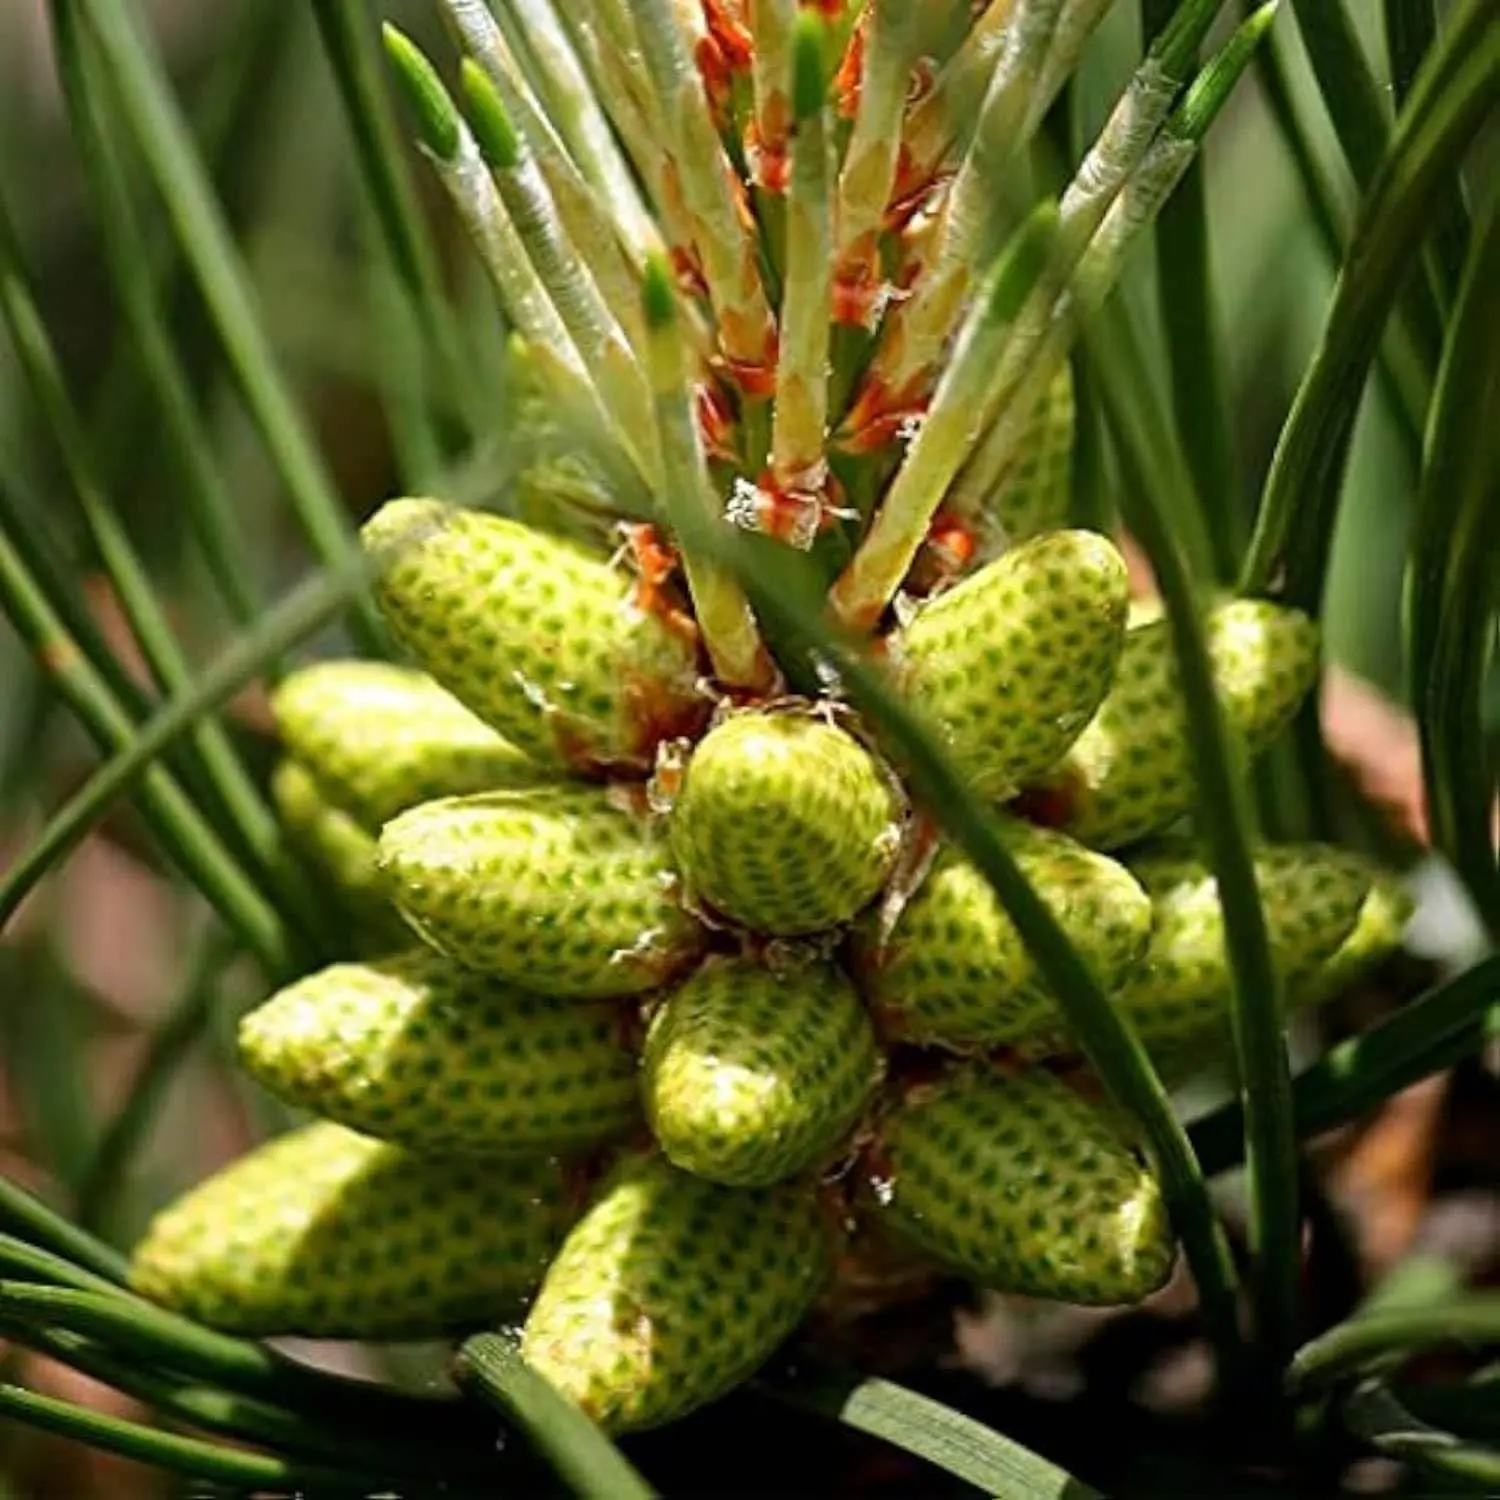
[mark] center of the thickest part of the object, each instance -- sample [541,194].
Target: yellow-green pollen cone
[414,1050]
[1130,773]
[379,738]
[1024,1186]
[559,890]
[953,970]
[542,640]
[751,1076]
[1177,995]
[671,1290]
[785,824]
[329,1234]
[1013,662]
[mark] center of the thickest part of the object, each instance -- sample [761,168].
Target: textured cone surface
[954,970]
[1130,774]
[379,739]
[751,1076]
[671,1290]
[1377,934]
[330,1235]
[785,824]
[414,1050]
[544,642]
[1036,495]
[1013,662]
[555,889]
[1024,1187]
[1178,995]
[339,847]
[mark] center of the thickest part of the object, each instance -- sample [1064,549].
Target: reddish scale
[954,541]
[865,961]
[856,297]
[865,1286]
[1007,1062]
[667,778]
[718,82]
[689,271]
[736,46]
[1077,1073]
[911,193]
[655,563]
[757,380]
[744,208]
[768,682]
[659,713]
[860,290]
[581,1174]
[632,797]
[754,378]
[716,423]
[770,163]
[850,76]
[1079,1076]
[727,50]
[878,414]
[1048,806]
[796,513]
[946,555]
[654,715]
[879,411]
[907,186]
[865,619]
[889,1021]
[874,1270]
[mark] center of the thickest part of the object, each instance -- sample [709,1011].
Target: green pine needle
[424,92]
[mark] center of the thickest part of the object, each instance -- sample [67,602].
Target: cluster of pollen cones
[666,1007]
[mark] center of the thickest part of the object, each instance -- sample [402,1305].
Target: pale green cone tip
[327,1234]
[750,1076]
[785,824]
[380,738]
[542,640]
[1012,663]
[953,970]
[1023,1186]
[671,1290]
[1130,774]
[414,1050]
[556,889]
